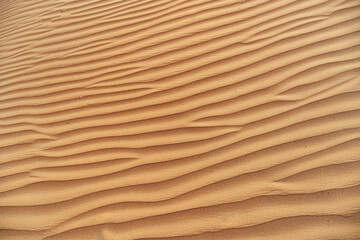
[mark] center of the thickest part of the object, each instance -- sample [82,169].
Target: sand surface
[179,119]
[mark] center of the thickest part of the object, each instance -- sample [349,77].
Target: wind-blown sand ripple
[204,119]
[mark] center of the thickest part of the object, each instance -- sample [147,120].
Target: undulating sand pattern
[179,119]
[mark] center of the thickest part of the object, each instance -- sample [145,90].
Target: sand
[179,119]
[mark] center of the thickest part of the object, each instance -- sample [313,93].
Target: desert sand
[179,119]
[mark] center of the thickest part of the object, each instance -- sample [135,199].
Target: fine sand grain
[179,119]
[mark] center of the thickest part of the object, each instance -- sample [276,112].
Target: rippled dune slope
[179,119]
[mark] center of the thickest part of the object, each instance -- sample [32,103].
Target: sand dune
[179,119]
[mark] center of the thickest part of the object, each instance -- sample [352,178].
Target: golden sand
[179,119]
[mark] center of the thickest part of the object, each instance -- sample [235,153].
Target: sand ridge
[178,119]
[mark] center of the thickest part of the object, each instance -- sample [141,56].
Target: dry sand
[179,119]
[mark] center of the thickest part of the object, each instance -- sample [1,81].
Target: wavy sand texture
[179,119]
